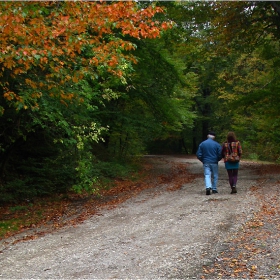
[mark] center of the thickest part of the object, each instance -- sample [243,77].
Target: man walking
[210,153]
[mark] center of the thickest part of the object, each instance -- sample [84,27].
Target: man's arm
[220,153]
[199,153]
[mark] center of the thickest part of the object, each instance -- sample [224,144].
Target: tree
[42,43]
[60,62]
[249,84]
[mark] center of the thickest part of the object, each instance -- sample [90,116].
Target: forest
[88,88]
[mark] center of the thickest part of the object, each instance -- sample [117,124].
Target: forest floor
[162,226]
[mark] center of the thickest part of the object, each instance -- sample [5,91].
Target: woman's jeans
[232,177]
[211,174]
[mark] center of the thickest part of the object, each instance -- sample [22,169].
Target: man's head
[211,134]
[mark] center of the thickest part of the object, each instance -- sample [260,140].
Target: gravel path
[154,235]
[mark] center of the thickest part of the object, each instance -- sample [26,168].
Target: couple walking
[211,152]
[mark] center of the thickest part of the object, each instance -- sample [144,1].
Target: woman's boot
[233,190]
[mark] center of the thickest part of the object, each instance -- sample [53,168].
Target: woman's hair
[231,137]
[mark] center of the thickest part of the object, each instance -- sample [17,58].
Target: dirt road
[157,234]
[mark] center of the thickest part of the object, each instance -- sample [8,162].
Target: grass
[12,225]
[14,218]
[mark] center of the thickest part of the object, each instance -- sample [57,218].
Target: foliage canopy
[86,85]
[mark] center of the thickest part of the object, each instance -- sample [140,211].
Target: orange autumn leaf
[50,38]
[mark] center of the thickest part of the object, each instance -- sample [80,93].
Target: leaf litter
[253,252]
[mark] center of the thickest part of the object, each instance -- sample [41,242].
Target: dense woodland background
[87,88]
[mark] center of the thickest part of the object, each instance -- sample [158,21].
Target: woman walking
[232,147]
